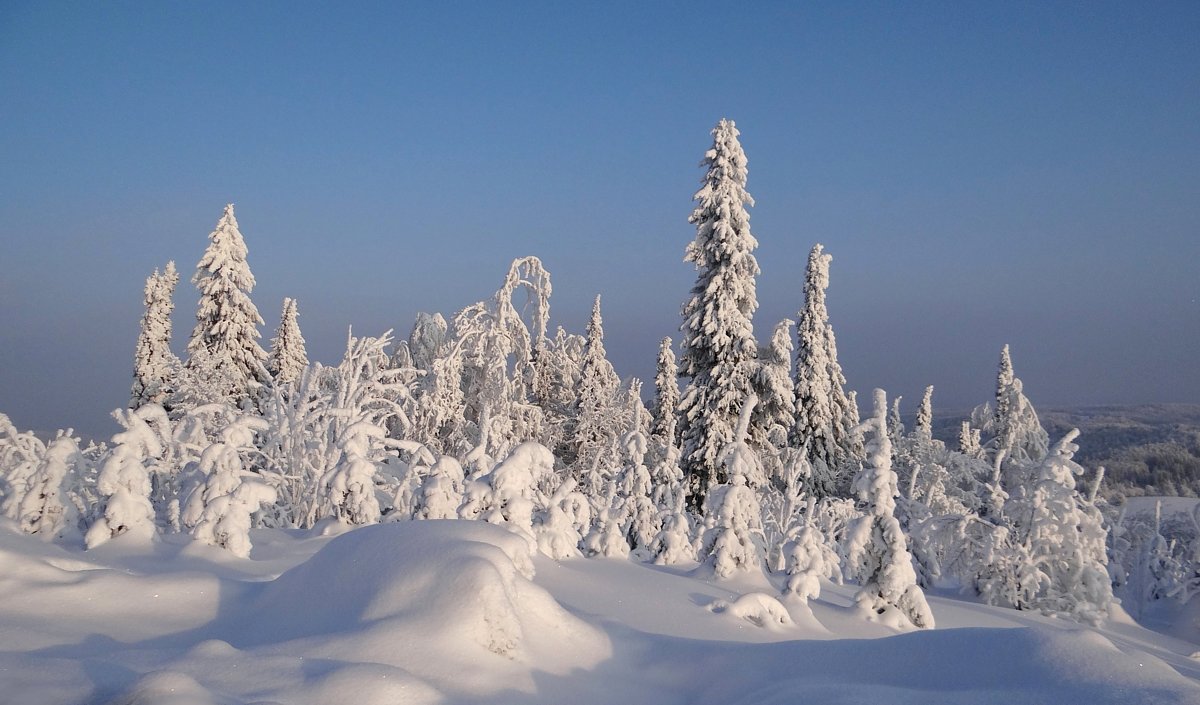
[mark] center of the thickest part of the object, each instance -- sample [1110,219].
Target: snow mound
[452,586]
[168,688]
[760,609]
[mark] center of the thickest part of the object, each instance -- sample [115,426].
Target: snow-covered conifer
[124,480]
[823,409]
[50,507]
[427,340]
[878,545]
[734,540]
[225,338]
[596,413]
[154,365]
[968,441]
[664,414]
[776,408]
[288,357]
[924,427]
[718,345]
[641,517]
[810,560]
[351,483]
[441,490]
[219,511]
[673,543]
[1066,542]
[557,534]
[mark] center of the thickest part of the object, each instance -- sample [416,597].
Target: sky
[982,174]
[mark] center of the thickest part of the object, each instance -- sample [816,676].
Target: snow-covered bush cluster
[760,464]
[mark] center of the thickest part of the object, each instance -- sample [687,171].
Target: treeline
[758,461]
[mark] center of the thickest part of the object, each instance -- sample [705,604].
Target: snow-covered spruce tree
[124,480]
[219,511]
[823,409]
[427,341]
[224,346]
[597,416]
[968,441]
[558,367]
[924,427]
[1016,433]
[288,357]
[154,365]
[350,485]
[441,490]
[664,413]
[21,453]
[734,539]
[1066,542]
[53,508]
[810,560]
[775,413]
[718,346]
[878,546]
[641,519]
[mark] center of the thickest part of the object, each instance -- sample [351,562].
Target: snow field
[466,612]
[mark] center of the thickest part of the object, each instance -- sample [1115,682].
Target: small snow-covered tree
[441,490]
[641,518]
[810,560]
[597,418]
[21,453]
[124,480]
[288,357]
[878,546]
[557,532]
[52,507]
[1016,434]
[351,483]
[155,367]
[924,427]
[224,343]
[823,409]
[427,341]
[664,413]
[734,539]
[673,543]
[775,412]
[1066,542]
[718,345]
[219,511]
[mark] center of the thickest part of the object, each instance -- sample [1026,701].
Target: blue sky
[982,173]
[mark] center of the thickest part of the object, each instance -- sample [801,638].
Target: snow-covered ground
[456,612]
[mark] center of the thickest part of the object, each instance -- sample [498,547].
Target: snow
[459,611]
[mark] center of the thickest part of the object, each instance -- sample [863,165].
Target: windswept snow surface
[463,612]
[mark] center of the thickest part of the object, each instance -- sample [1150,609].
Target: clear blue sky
[982,173]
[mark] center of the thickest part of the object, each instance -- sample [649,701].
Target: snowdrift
[451,612]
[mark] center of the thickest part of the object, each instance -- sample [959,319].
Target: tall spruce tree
[718,345]
[825,414]
[288,357]
[224,342]
[154,365]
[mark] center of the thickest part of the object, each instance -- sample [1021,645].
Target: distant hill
[1149,449]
